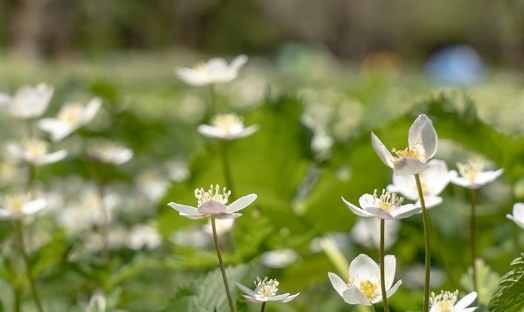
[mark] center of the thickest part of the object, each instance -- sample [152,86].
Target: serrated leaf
[487,281]
[511,297]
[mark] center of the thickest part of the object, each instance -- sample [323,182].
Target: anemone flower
[445,302]
[227,127]
[472,174]
[28,102]
[19,206]
[423,142]
[35,152]
[216,70]
[388,206]
[266,290]
[213,203]
[109,152]
[518,214]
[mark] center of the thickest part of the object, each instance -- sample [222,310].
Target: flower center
[443,302]
[368,288]
[16,202]
[413,152]
[471,169]
[226,121]
[200,67]
[388,201]
[35,147]
[70,113]
[266,288]
[204,197]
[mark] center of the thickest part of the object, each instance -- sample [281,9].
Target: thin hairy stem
[20,238]
[222,268]
[382,266]
[472,235]
[263,306]
[425,220]
[227,170]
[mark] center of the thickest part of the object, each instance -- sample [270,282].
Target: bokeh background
[321,76]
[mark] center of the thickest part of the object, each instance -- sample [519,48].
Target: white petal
[241,203]
[90,111]
[253,299]
[212,132]
[289,298]
[249,131]
[34,206]
[422,130]
[5,213]
[519,222]
[379,213]
[354,296]
[382,151]
[278,297]
[390,266]
[5,99]
[50,158]
[404,185]
[465,301]
[191,76]
[238,62]
[363,268]
[409,166]
[487,176]
[245,289]
[212,207]
[339,284]
[393,289]
[17,150]
[122,157]
[461,181]
[57,129]
[518,211]
[356,210]
[430,201]
[406,211]
[184,209]
[436,177]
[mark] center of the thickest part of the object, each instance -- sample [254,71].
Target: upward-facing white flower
[266,290]
[472,175]
[21,205]
[445,302]
[386,206]
[28,102]
[227,127]
[213,203]
[423,142]
[518,214]
[216,70]
[34,151]
[364,280]
[107,151]
[70,117]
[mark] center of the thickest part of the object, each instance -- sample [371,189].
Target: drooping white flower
[472,175]
[364,280]
[266,290]
[445,302]
[109,152]
[227,127]
[518,214]
[388,206]
[279,258]
[213,202]
[216,70]
[366,232]
[28,102]
[70,117]
[20,205]
[423,143]
[34,151]
[433,180]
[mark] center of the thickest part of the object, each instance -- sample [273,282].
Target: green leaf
[511,297]
[487,281]
[51,254]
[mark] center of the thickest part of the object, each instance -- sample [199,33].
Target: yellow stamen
[444,301]
[70,113]
[200,67]
[226,121]
[16,202]
[368,288]
[413,152]
[388,201]
[35,147]
[471,169]
[215,195]
[266,288]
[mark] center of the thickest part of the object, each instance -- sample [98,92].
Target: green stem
[425,220]
[222,268]
[18,300]
[227,169]
[472,234]
[263,306]
[382,267]
[104,228]
[20,238]
[372,308]
[213,105]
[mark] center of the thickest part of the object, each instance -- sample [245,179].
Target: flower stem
[226,168]
[372,308]
[263,306]
[224,277]
[20,238]
[18,300]
[425,220]
[382,267]
[472,234]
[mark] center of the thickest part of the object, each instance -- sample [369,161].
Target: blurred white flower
[216,70]
[423,142]
[266,290]
[70,117]
[472,175]
[366,232]
[388,206]
[213,202]
[143,235]
[518,214]
[445,302]
[117,238]
[35,152]
[151,185]
[279,258]
[227,127]
[107,151]
[364,281]
[178,170]
[97,303]
[28,102]
[191,237]
[20,205]
[413,277]
[222,226]
[433,180]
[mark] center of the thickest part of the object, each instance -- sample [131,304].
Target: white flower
[98,302]
[28,102]
[423,142]
[213,202]
[216,70]
[433,180]
[21,205]
[34,151]
[279,258]
[472,174]
[445,302]
[143,235]
[227,127]
[366,232]
[266,290]
[107,151]
[70,117]
[518,214]
[222,226]
[364,281]
[388,206]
